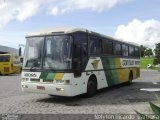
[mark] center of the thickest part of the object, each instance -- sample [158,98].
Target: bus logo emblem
[95,64]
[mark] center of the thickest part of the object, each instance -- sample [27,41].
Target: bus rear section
[9,64]
[6,66]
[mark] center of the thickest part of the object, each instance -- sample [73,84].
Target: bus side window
[95,46]
[125,50]
[131,51]
[107,47]
[137,54]
[117,49]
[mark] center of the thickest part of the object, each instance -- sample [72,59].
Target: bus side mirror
[77,61]
[20,51]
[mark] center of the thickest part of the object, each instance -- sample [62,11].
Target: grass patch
[145,62]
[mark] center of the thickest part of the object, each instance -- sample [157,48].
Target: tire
[130,78]
[91,87]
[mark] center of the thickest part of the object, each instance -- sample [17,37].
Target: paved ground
[120,99]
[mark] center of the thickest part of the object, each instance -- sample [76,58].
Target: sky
[130,20]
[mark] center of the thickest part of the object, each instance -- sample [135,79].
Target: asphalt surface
[120,99]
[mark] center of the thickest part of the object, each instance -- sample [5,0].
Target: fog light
[24,86]
[60,89]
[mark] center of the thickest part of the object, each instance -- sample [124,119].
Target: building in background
[5,49]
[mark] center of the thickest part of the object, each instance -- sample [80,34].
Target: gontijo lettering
[130,62]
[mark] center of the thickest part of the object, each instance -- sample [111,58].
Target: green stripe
[50,76]
[43,75]
[111,75]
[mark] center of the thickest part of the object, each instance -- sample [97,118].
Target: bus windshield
[50,52]
[4,58]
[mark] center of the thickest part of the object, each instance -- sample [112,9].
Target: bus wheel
[130,78]
[91,87]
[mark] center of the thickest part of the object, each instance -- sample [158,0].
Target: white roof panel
[55,30]
[50,31]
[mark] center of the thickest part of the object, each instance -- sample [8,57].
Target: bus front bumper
[51,89]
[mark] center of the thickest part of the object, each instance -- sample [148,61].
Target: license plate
[40,87]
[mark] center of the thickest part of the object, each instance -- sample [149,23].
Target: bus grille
[6,69]
[51,81]
[35,80]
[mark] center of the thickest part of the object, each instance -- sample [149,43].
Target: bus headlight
[24,86]
[60,89]
[63,81]
[67,81]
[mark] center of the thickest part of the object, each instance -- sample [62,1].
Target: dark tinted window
[80,48]
[137,52]
[80,39]
[117,49]
[107,47]
[131,51]
[5,58]
[125,50]
[95,46]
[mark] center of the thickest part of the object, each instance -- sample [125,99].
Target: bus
[73,61]
[9,64]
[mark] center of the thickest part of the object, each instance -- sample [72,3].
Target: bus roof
[4,54]
[8,54]
[50,31]
[65,30]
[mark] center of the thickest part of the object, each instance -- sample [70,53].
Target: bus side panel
[95,67]
[123,73]
[116,72]
[16,69]
[136,73]
[110,71]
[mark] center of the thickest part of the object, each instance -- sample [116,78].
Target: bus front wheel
[91,87]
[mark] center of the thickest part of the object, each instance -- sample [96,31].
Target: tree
[148,52]
[142,50]
[157,54]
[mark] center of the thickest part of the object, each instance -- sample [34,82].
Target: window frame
[100,45]
[116,42]
[104,41]
[131,55]
[126,46]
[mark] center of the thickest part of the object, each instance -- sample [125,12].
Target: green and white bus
[73,61]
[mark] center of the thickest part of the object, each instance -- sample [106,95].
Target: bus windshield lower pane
[58,52]
[33,52]
[53,51]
